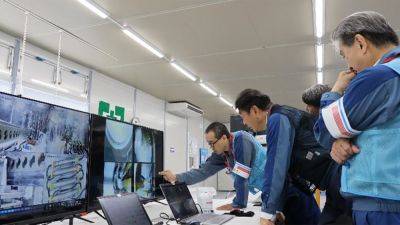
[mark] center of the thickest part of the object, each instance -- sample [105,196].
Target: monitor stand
[71,219]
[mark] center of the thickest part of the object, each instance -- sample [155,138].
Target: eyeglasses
[211,144]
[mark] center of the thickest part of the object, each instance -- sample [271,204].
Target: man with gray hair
[361,117]
[312,98]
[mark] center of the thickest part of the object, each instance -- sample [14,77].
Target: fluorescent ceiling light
[225,101]
[136,37]
[94,8]
[320,77]
[236,110]
[207,88]
[183,71]
[49,85]
[320,56]
[319,13]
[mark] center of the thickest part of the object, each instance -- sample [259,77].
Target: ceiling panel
[204,30]
[13,20]
[69,14]
[255,63]
[281,22]
[148,8]
[336,10]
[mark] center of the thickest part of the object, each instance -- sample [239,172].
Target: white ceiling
[231,44]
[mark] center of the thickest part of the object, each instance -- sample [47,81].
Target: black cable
[201,209]
[165,216]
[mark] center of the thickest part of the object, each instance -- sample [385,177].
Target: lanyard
[226,155]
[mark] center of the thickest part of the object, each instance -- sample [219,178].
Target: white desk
[154,209]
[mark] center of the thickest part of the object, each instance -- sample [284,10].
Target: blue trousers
[300,208]
[376,218]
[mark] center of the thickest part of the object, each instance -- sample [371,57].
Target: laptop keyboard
[209,218]
[202,217]
[218,219]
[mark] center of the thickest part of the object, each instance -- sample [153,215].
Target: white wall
[111,91]
[149,110]
[175,143]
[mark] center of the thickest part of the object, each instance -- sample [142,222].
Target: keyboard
[218,220]
[209,219]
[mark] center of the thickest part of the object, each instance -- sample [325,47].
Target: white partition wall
[149,110]
[175,143]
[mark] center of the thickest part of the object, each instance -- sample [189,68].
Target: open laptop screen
[124,209]
[179,200]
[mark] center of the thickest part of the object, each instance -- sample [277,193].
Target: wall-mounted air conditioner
[184,109]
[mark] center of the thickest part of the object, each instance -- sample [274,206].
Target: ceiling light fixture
[207,88]
[140,40]
[94,7]
[183,71]
[225,101]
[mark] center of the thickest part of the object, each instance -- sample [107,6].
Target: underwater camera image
[117,178]
[144,179]
[118,143]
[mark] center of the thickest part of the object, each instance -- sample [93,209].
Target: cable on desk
[165,216]
[201,209]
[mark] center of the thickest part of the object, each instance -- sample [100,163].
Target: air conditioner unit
[184,109]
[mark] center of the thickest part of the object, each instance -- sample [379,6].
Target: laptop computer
[124,209]
[184,209]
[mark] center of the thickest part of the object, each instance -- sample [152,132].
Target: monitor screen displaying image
[124,158]
[43,158]
[111,165]
[148,157]
[117,178]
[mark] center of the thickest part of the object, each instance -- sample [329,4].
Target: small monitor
[180,200]
[124,209]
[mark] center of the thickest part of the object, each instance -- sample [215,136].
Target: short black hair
[219,130]
[249,97]
[312,96]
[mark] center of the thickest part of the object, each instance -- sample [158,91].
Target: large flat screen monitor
[43,160]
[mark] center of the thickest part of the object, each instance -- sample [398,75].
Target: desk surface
[154,210]
[216,203]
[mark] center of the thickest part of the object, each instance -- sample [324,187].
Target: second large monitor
[125,158]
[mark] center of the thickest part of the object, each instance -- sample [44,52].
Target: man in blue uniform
[361,115]
[337,210]
[295,160]
[240,153]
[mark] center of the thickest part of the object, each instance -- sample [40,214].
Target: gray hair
[312,96]
[371,25]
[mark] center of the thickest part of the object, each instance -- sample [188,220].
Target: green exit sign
[118,113]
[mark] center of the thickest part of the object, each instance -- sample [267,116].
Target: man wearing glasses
[240,153]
